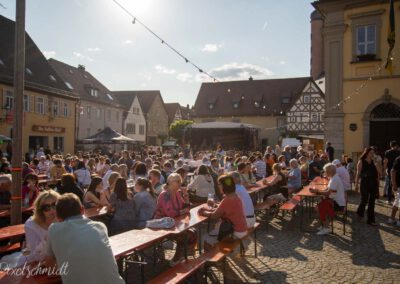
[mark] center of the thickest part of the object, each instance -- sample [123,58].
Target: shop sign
[48,129]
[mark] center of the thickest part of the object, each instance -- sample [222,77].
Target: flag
[390,38]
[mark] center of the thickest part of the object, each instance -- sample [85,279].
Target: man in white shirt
[343,173]
[336,193]
[244,196]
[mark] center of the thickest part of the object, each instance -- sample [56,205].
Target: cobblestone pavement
[288,254]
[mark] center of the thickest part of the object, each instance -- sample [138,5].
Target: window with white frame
[55,108]
[366,40]
[292,119]
[66,110]
[40,105]
[26,103]
[314,117]
[306,99]
[88,111]
[141,129]
[98,112]
[58,144]
[9,100]
[94,92]
[130,128]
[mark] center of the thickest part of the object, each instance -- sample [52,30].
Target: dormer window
[69,85]
[52,78]
[236,105]
[210,106]
[94,92]
[2,63]
[28,71]
[257,104]
[110,97]
[285,100]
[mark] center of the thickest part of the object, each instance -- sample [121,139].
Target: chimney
[317,45]
[250,78]
[81,67]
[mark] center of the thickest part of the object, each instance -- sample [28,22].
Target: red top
[25,191]
[231,209]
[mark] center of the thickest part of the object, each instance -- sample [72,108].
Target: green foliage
[176,128]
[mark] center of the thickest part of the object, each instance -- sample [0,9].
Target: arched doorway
[384,125]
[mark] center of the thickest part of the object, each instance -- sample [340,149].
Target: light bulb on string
[186,60]
[134,21]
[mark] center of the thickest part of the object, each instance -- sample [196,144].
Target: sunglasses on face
[48,207]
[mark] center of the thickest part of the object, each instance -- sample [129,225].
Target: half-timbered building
[305,117]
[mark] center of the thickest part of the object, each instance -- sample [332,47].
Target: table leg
[185,247]
[199,240]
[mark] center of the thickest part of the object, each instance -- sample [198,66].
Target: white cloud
[81,56]
[265,26]
[210,47]
[94,49]
[164,70]
[128,41]
[236,71]
[49,54]
[282,62]
[185,77]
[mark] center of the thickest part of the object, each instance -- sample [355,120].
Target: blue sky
[232,39]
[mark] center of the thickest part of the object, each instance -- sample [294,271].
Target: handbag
[225,230]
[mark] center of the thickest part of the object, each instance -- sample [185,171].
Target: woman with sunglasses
[44,214]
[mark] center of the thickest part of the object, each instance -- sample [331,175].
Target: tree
[176,129]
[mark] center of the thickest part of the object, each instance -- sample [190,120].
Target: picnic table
[12,232]
[132,240]
[7,212]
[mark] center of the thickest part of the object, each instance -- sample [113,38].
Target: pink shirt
[167,206]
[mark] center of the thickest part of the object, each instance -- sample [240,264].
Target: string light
[136,20]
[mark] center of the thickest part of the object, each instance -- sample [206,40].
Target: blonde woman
[106,194]
[36,228]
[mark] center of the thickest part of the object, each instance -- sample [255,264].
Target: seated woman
[123,206]
[92,195]
[201,185]
[278,181]
[36,230]
[282,161]
[334,198]
[68,185]
[82,175]
[230,210]
[106,193]
[174,202]
[30,188]
[247,178]
[294,177]
[145,200]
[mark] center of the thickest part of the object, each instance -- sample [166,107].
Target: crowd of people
[137,188]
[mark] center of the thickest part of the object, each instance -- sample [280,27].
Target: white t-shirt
[335,183]
[83,177]
[244,196]
[343,173]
